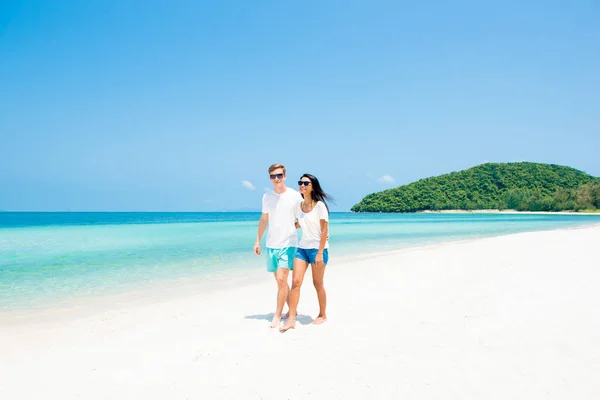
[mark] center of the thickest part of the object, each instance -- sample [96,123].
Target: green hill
[523,186]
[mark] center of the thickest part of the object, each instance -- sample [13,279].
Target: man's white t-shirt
[311,226]
[283,212]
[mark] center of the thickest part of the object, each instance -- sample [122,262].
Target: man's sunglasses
[305,183]
[278,176]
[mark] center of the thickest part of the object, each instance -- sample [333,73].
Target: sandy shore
[496,211]
[512,317]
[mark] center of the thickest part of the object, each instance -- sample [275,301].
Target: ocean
[50,259]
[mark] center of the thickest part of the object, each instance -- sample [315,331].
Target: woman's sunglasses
[305,183]
[278,176]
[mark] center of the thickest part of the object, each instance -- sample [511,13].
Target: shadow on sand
[300,318]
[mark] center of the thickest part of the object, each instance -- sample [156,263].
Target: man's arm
[297,211]
[262,227]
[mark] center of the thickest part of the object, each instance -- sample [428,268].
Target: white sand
[513,317]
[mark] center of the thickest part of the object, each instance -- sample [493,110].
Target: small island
[519,186]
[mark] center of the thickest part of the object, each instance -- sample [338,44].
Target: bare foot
[320,320]
[290,324]
[275,322]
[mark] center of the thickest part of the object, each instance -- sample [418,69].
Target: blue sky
[127,105]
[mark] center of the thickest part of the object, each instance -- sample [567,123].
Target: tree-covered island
[521,186]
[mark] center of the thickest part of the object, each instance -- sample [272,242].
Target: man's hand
[257,248]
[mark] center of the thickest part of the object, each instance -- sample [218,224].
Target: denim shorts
[309,255]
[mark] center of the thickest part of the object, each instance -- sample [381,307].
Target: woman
[313,247]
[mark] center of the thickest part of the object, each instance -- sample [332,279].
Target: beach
[512,316]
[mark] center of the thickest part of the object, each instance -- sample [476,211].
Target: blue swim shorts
[310,255]
[280,258]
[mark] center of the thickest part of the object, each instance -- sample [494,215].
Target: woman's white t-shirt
[311,225]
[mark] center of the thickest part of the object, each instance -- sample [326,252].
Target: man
[279,213]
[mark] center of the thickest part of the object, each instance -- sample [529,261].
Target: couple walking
[284,210]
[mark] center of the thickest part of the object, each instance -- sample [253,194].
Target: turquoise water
[49,258]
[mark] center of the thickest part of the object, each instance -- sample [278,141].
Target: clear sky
[172,105]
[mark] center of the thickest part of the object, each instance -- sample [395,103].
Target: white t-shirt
[311,226]
[283,212]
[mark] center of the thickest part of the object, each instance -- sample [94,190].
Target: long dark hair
[317,193]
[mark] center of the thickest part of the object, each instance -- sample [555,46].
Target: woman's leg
[318,273]
[297,278]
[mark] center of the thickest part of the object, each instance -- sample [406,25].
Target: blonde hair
[276,166]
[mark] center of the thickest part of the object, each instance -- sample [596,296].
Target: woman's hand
[319,259]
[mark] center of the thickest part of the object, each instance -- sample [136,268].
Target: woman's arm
[324,236]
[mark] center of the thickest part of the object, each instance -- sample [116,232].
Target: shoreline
[492,211]
[492,318]
[187,287]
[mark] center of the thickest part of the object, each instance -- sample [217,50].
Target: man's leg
[281,276]
[287,259]
[287,301]
[297,278]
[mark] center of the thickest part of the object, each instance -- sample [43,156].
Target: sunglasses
[305,183]
[278,176]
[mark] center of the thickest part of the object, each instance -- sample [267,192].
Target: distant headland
[518,186]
